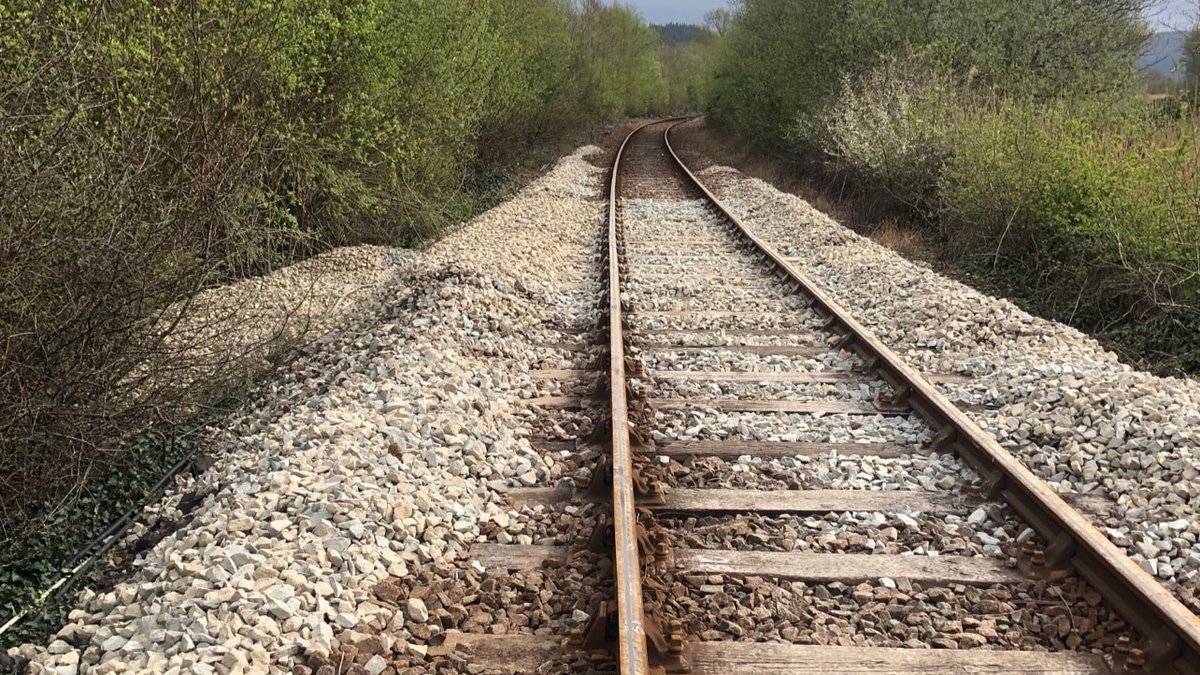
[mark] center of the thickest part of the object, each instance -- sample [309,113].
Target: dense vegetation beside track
[150,150]
[1018,136]
[688,55]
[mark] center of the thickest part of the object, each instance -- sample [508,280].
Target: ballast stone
[378,456]
[1069,409]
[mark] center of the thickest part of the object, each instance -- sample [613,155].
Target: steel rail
[1171,630]
[632,650]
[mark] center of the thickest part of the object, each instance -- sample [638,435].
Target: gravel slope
[1071,410]
[334,526]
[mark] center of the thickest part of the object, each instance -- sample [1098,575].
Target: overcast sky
[679,11]
[1176,14]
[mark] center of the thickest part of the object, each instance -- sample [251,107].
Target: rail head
[1171,630]
[632,649]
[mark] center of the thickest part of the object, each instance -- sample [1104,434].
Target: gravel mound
[335,526]
[229,331]
[1070,410]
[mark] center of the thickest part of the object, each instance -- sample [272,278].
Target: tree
[720,20]
[1191,58]
[785,60]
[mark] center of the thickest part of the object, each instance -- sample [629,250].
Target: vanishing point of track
[1169,633]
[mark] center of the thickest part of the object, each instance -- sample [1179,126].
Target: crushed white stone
[380,454]
[1059,401]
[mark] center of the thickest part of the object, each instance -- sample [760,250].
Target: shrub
[1011,125]
[150,150]
[1102,212]
[780,60]
[890,128]
[616,71]
[789,58]
[688,71]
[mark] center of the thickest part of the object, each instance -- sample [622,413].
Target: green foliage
[688,68]
[682,33]
[1018,128]
[30,566]
[1191,59]
[890,128]
[1096,202]
[787,59]
[1101,213]
[616,70]
[779,61]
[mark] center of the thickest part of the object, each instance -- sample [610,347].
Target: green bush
[150,150]
[688,70]
[781,60]
[890,128]
[1101,211]
[616,71]
[788,59]
[1018,128]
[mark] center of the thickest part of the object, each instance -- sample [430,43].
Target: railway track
[778,492]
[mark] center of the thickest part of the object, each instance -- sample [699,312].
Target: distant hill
[1163,51]
[682,33]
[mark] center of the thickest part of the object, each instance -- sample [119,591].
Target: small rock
[416,611]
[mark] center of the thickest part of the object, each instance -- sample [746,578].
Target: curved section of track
[795,309]
[630,612]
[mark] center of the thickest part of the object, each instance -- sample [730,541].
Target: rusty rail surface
[1171,630]
[632,651]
